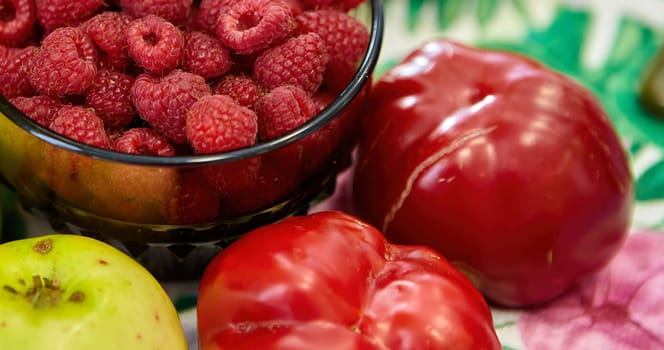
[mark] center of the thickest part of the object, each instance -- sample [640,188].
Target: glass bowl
[160,210]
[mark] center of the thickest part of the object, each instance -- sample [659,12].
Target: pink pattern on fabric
[341,198]
[622,307]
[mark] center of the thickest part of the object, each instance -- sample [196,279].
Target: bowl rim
[360,79]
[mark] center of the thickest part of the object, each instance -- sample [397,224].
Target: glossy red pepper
[510,170]
[330,281]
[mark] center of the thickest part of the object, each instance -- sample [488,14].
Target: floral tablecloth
[606,45]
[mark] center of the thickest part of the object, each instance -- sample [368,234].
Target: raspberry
[14,72]
[154,43]
[163,101]
[240,87]
[300,61]
[209,11]
[65,64]
[53,14]
[282,110]
[106,30]
[175,11]
[345,37]
[235,176]
[194,202]
[205,55]
[110,97]
[143,141]
[216,124]
[17,18]
[80,124]
[253,25]
[39,108]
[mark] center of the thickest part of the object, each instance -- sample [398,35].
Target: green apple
[71,292]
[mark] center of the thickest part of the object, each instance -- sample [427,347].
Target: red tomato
[512,171]
[330,281]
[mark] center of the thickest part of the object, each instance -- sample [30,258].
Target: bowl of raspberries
[169,128]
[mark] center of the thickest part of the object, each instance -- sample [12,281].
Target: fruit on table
[105,73]
[510,170]
[330,281]
[72,292]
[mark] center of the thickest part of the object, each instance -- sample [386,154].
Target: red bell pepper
[509,169]
[330,281]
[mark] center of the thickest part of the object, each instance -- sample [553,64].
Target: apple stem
[43,293]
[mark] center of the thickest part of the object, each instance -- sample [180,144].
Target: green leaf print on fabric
[448,11]
[414,12]
[650,185]
[485,10]
[521,8]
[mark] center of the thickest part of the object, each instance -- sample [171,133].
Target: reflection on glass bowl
[136,202]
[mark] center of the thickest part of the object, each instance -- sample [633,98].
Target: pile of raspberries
[167,77]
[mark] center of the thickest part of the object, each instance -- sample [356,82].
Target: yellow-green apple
[71,292]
